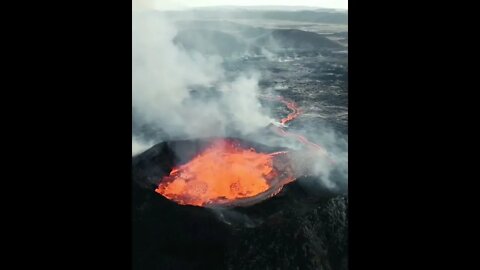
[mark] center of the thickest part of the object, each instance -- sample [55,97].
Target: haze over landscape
[261,75]
[265,4]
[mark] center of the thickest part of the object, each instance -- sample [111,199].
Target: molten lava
[296,112]
[226,172]
[292,106]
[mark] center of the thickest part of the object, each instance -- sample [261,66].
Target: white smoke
[163,76]
[332,169]
[139,145]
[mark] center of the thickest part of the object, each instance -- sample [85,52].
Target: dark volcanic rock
[296,229]
[296,39]
[315,240]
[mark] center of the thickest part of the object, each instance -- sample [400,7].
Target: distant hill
[340,34]
[240,31]
[304,16]
[298,16]
[225,38]
[210,42]
[296,39]
[267,7]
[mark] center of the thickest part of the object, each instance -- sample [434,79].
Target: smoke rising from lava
[181,94]
[166,80]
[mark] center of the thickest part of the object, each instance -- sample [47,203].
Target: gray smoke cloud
[165,77]
[139,145]
[332,168]
[170,92]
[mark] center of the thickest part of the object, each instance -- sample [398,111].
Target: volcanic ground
[305,225]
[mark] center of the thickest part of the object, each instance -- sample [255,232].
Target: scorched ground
[302,226]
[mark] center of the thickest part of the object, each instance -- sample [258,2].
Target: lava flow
[226,172]
[296,112]
[292,106]
[223,173]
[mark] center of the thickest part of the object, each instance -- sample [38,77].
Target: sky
[180,4]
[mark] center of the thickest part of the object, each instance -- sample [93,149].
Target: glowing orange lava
[224,172]
[296,112]
[292,106]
